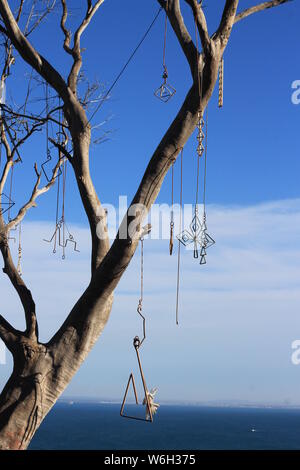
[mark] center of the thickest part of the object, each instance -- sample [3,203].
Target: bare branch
[61,148]
[201,25]
[20,286]
[8,334]
[260,7]
[35,194]
[182,34]
[223,32]
[39,119]
[40,18]
[30,55]
[76,50]
[66,32]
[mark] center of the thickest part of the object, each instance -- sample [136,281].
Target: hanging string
[200,124]
[165,91]
[171,245]
[140,304]
[58,178]
[179,243]
[10,191]
[57,211]
[205,161]
[47,123]
[64,177]
[19,267]
[165,36]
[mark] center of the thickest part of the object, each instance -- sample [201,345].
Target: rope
[165,36]
[179,244]
[47,123]
[221,82]
[64,174]
[137,340]
[10,191]
[200,134]
[126,64]
[205,162]
[142,270]
[172,215]
[58,189]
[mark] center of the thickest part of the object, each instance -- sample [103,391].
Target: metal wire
[126,64]
[140,304]
[179,243]
[19,267]
[171,244]
[165,35]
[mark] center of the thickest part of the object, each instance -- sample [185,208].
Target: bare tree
[42,370]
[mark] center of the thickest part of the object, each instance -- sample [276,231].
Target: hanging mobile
[197,233]
[61,235]
[6,202]
[165,91]
[148,401]
[48,153]
[221,83]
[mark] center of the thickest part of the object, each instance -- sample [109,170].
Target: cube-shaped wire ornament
[6,203]
[165,91]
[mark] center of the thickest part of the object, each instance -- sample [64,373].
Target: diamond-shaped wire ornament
[199,236]
[49,159]
[165,91]
[6,203]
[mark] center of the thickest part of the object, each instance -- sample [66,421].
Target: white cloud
[238,314]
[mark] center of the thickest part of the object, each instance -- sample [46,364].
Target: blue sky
[239,314]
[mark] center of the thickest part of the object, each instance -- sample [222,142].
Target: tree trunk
[41,373]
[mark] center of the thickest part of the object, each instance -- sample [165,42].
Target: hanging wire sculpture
[165,91]
[6,203]
[148,400]
[197,233]
[221,83]
[48,153]
[61,236]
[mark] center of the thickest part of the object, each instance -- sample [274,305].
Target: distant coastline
[71,400]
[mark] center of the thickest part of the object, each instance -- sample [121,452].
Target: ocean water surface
[95,426]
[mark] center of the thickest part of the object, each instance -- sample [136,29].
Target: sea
[99,426]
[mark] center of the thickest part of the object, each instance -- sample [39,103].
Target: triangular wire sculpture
[165,91]
[151,407]
[8,203]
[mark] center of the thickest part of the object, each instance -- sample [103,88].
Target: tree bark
[42,371]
